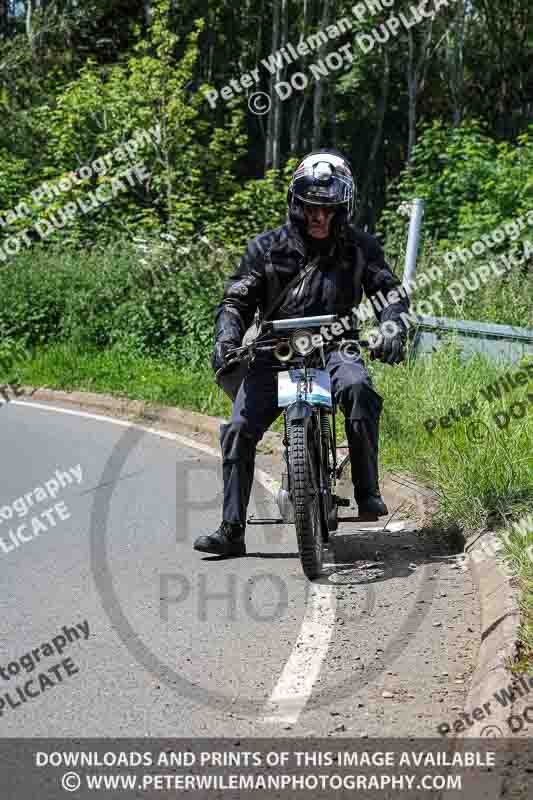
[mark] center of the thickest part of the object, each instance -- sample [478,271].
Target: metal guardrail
[498,342]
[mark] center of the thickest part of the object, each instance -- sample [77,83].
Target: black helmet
[324,178]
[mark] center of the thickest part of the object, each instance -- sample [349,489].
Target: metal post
[415,226]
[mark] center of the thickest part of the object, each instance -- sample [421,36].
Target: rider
[321,200]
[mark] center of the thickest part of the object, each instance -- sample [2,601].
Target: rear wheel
[304,472]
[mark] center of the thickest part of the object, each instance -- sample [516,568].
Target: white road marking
[302,669]
[295,685]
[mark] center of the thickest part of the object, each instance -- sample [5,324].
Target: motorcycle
[307,496]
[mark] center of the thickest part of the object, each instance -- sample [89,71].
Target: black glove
[391,348]
[219,357]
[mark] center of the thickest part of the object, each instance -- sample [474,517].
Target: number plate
[291,387]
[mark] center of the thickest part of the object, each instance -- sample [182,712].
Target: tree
[319,85]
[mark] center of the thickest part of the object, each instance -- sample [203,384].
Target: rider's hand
[219,358]
[391,347]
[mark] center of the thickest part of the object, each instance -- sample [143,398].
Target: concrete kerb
[500,622]
[500,614]
[121,406]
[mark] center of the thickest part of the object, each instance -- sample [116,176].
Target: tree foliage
[441,108]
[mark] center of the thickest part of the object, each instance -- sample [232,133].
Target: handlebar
[276,325]
[279,325]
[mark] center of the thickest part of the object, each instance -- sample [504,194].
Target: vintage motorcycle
[307,495]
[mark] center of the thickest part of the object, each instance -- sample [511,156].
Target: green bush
[471,184]
[152,298]
[190,161]
[260,205]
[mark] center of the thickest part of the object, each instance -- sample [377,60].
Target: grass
[119,372]
[477,480]
[480,483]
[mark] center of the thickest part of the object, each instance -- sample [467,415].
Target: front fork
[329,445]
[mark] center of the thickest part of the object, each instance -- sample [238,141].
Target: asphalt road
[170,643]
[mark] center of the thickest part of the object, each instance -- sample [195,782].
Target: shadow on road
[254,555]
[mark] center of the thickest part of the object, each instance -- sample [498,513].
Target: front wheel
[304,472]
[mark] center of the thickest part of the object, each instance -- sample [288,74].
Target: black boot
[371,503]
[228,540]
[363,440]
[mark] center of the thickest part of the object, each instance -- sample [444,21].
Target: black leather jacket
[273,258]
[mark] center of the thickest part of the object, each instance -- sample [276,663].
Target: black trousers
[255,409]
